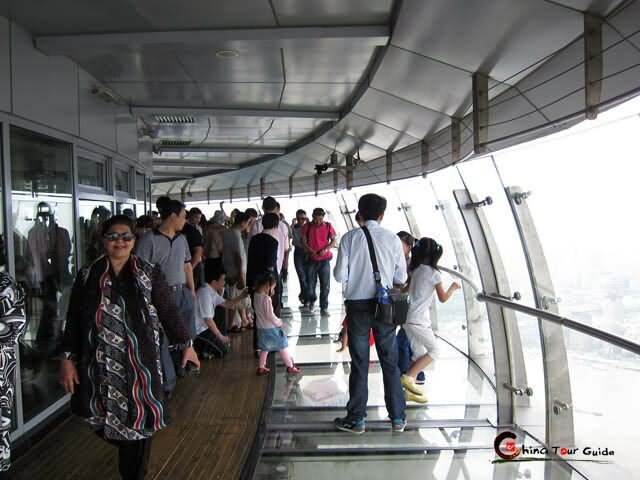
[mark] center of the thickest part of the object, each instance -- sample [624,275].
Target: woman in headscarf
[118,311]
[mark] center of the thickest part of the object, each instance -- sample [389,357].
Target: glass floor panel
[384,440]
[454,382]
[438,465]
[414,413]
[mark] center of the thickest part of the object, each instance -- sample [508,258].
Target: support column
[316,183]
[480,90]
[389,159]
[262,188]
[231,195]
[349,160]
[455,139]
[592,64]
[291,186]
[424,156]
[335,181]
[249,192]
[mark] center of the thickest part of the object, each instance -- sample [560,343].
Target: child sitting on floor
[271,337]
[211,342]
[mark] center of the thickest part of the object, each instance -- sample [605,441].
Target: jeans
[404,351]
[301,263]
[360,316]
[320,270]
[183,300]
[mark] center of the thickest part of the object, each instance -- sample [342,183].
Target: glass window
[139,186]
[91,173]
[43,230]
[122,180]
[583,194]
[128,209]
[92,215]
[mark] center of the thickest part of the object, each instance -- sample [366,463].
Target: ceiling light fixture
[227,53]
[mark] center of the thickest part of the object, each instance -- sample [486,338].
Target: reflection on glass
[122,180]
[43,238]
[127,209]
[139,186]
[91,173]
[92,215]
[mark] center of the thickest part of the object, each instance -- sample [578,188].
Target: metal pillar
[424,158]
[593,64]
[559,410]
[507,349]
[291,186]
[480,111]
[350,169]
[262,187]
[335,181]
[455,139]
[389,165]
[316,183]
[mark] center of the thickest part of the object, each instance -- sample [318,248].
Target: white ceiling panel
[253,63]
[424,82]
[399,114]
[157,64]
[627,21]
[598,7]
[159,93]
[330,61]
[346,144]
[332,12]
[169,14]
[374,133]
[241,95]
[325,96]
[492,36]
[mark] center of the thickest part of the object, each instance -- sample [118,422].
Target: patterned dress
[12,325]
[113,332]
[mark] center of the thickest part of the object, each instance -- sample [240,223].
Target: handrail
[610,338]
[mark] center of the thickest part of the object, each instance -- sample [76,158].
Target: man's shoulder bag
[392,306]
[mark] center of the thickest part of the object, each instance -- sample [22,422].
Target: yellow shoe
[412,397]
[408,383]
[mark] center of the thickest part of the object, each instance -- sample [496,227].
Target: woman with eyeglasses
[118,311]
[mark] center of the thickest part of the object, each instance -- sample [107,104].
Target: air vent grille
[174,119]
[175,143]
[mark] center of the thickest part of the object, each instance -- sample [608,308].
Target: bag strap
[372,256]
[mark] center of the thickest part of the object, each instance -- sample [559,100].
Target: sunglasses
[114,237]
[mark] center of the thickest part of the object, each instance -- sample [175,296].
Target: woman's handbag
[392,306]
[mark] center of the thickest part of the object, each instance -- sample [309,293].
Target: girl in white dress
[425,280]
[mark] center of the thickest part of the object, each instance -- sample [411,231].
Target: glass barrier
[583,186]
[92,214]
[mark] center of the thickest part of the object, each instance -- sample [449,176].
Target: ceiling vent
[175,143]
[174,119]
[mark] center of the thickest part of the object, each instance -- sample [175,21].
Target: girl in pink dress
[271,337]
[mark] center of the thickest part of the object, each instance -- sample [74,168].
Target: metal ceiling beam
[143,110]
[257,149]
[178,162]
[373,35]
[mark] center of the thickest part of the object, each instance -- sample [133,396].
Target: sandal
[293,369]
[262,371]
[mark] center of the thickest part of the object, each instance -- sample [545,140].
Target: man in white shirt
[354,268]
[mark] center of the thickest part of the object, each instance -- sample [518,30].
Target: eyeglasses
[114,236]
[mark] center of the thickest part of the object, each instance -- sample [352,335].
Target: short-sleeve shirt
[423,284]
[194,237]
[318,237]
[207,299]
[170,253]
[233,245]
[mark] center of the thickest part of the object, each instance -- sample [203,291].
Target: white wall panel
[126,134]
[5,66]
[45,89]
[97,118]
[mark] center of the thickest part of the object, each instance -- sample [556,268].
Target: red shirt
[318,237]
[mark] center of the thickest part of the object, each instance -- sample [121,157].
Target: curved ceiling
[246,97]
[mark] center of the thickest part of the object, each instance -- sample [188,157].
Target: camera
[321,168]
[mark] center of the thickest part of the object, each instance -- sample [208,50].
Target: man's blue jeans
[360,318]
[300,261]
[404,351]
[320,270]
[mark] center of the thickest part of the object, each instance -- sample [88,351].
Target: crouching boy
[210,342]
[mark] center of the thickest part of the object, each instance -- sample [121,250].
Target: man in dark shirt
[194,239]
[262,257]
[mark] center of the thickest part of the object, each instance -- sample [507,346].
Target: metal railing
[482,296]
